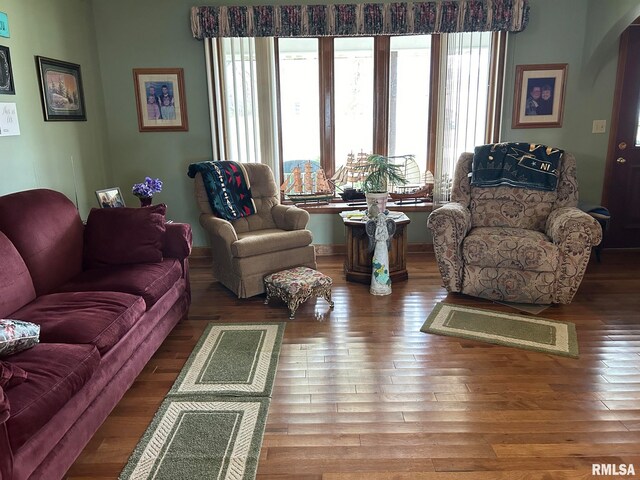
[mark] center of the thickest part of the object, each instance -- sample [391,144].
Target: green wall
[584,34]
[109,150]
[41,156]
[148,34]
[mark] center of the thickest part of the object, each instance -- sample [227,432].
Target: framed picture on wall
[160,99]
[6,74]
[110,198]
[60,90]
[538,101]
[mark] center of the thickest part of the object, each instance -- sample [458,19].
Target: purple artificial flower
[147,188]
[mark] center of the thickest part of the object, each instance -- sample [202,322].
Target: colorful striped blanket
[520,165]
[227,187]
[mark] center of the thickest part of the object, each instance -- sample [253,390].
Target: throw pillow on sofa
[16,335]
[119,236]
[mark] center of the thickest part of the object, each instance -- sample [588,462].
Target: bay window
[429,96]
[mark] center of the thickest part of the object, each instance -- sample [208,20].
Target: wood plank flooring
[361,393]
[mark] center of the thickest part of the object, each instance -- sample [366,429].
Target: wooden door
[622,180]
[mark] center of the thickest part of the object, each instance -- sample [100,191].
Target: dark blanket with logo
[521,165]
[228,188]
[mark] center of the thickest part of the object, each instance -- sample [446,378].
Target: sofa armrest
[6,456]
[565,221]
[289,217]
[449,225]
[177,241]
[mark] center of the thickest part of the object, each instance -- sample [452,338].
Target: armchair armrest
[451,214]
[290,218]
[565,221]
[177,240]
[219,228]
[449,225]
[574,232]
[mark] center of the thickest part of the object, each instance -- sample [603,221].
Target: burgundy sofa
[99,327]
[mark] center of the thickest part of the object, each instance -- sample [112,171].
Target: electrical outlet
[599,126]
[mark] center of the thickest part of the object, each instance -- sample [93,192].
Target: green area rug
[520,331]
[210,425]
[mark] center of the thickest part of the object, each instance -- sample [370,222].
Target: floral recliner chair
[514,244]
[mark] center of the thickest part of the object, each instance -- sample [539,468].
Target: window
[353,73]
[430,96]
[409,74]
[465,94]
[299,101]
[240,99]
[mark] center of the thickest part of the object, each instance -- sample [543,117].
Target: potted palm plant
[379,173]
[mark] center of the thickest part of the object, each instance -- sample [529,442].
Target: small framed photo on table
[61,90]
[110,198]
[160,99]
[538,101]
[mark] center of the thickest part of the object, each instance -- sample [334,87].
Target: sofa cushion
[148,280]
[55,373]
[16,287]
[17,335]
[119,236]
[11,375]
[505,247]
[97,318]
[269,240]
[46,229]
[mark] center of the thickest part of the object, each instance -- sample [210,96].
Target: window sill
[337,207]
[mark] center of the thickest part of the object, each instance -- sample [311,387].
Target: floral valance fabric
[362,19]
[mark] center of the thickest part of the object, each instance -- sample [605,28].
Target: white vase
[379,199]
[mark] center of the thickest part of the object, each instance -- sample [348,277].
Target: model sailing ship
[352,172]
[415,192]
[307,187]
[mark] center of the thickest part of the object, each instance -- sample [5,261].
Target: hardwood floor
[361,393]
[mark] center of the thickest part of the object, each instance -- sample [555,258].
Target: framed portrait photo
[160,99]
[60,90]
[110,198]
[538,101]
[7,86]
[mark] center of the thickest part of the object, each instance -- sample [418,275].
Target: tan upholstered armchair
[273,239]
[513,244]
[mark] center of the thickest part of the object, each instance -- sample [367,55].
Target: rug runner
[211,424]
[512,330]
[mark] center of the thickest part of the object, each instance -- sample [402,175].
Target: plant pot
[145,201]
[377,198]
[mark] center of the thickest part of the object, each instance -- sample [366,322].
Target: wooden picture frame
[7,86]
[110,198]
[60,90]
[538,101]
[160,99]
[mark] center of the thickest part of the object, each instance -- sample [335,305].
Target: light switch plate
[599,126]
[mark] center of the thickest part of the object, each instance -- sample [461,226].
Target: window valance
[362,19]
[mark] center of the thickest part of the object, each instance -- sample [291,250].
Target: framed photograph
[110,198]
[6,74]
[60,90]
[538,101]
[160,99]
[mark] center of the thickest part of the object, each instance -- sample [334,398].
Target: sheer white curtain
[242,99]
[462,115]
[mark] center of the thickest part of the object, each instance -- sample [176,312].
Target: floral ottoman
[297,285]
